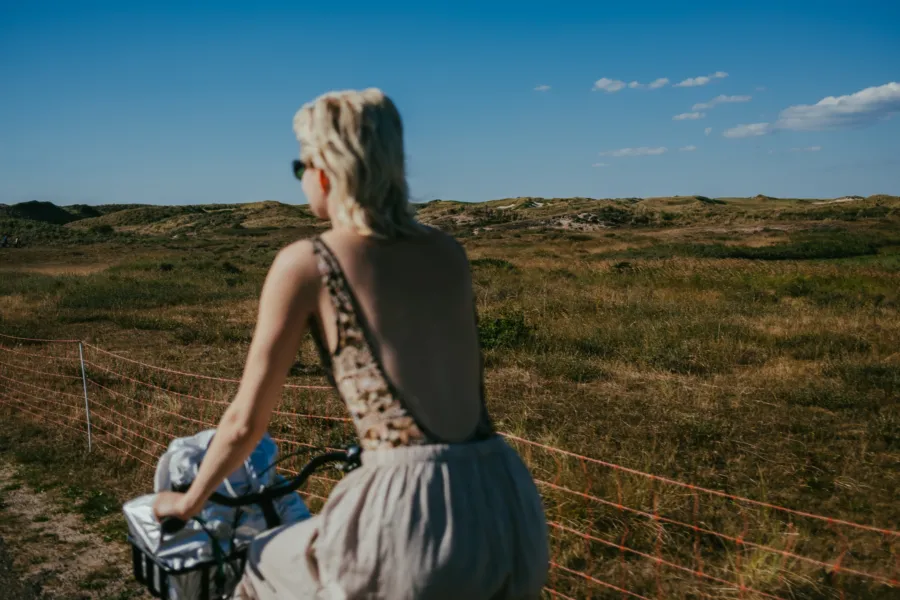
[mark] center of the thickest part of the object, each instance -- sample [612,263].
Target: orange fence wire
[615,532]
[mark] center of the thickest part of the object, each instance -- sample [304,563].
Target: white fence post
[87,408]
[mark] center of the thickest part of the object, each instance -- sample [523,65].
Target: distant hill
[83,223]
[193,219]
[588,214]
[82,211]
[35,210]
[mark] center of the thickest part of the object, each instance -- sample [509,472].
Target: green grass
[114,292]
[47,461]
[809,246]
[31,284]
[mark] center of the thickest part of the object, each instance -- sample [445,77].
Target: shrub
[506,331]
[814,346]
[231,268]
[578,237]
[868,377]
[813,246]
[495,263]
[102,229]
[884,429]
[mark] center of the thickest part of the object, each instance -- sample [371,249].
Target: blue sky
[192,102]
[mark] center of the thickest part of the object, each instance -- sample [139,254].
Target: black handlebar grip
[172,525]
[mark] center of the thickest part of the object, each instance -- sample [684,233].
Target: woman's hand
[172,504]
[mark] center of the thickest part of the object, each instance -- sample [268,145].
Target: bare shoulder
[296,261]
[297,253]
[450,243]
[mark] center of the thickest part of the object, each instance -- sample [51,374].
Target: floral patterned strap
[349,328]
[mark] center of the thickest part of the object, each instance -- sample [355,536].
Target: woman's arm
[288,298]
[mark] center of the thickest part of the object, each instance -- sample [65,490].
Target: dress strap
[349,327]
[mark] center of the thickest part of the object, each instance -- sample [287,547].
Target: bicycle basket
[207,580]
[205,560]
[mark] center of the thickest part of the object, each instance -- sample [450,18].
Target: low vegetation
[747,345]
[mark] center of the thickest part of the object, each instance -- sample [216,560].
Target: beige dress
[420,518]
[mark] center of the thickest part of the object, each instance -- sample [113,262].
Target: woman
[441,507]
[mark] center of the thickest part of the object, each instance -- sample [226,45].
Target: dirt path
[50,553]
[10,582]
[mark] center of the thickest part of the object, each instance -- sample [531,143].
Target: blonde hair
[356,137]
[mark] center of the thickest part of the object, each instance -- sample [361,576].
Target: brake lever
[354,459]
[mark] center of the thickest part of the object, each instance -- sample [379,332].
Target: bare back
[416,298]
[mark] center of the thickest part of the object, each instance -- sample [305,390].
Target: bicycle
[157,576]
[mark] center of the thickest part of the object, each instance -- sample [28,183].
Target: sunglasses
[300,167]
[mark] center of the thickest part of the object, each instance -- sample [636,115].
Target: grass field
[746,345]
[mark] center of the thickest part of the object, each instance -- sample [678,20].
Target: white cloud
[720,99]
[542,88]
[608,85]
[702,80]
[707,131]
[853,110]
[614,85]
[862,108]
[760,88]
[691,116]
[687,148]
[600,165]
[805,149]
[751,130]
[642,151]
[693,82]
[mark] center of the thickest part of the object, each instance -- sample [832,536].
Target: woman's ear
[324,182]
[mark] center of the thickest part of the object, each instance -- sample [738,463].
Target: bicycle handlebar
[171,525]
[350,459]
